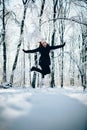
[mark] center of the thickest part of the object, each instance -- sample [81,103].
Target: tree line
[59,19]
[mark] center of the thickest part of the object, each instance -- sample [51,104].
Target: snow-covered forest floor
[43,109]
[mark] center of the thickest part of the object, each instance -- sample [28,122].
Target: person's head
[44,43]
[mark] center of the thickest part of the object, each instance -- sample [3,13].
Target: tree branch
[42,8]
[69,19]
[80,5]
[25,2]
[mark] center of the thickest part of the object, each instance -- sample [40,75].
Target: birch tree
[4,42]
[61,32]
[84,53]
[84,57]
[72,65]
[55,2]
[83,5]
[35,56]
[25,3]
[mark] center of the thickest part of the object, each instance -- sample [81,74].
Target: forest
[58,100]
[24,23]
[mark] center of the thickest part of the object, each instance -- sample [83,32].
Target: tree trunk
[4,42]
[35,57]
[29,57]
[61,31]
[83,58]
[19,45]
[23,67]
[53,64]
[72,65]
[42,8]
[34,75]
[53,42]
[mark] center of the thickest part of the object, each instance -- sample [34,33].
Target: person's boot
[33,68]
[36,69]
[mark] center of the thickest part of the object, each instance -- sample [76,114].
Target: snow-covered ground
[43,109]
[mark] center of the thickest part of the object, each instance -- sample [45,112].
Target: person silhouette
[44,60]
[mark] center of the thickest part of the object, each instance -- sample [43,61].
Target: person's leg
[45,69]
[48,69]
[38,70]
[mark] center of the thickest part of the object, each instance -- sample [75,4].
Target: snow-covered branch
[69,19]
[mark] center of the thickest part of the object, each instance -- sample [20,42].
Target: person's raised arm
[31,51]
[58,46]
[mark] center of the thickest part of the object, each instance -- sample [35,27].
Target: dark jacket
[44,51]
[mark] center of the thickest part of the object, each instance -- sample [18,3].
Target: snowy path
[42,109]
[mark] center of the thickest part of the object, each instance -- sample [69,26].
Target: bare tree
[84,57]
[34,75]
[83,53]
[61,32]
[55,2]
[35,56]
[4,41]
[72,65]
[29,57]
[25,3]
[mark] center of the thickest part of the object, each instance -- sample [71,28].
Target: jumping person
[44,61]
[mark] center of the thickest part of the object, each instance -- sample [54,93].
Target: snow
[43,109]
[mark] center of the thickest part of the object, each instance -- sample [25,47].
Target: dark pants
[45,69]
